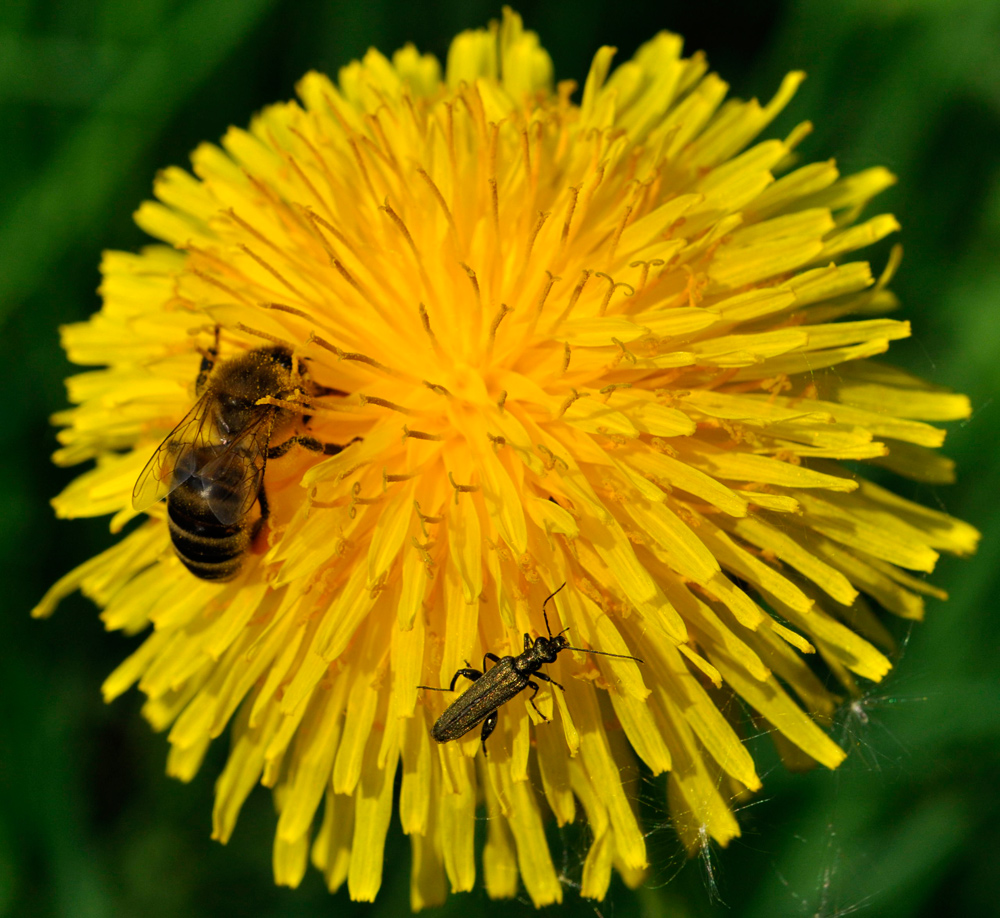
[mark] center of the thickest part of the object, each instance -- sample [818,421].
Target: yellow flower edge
[615,343]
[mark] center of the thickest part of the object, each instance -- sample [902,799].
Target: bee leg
[208,357]
[489,725]
[309,443]
[265,512]
[318,391]
[313,388]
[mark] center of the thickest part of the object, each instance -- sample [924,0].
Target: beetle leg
[527,642]
[489,656]
[489,725]
[548,679]
[471,674]
[534,686]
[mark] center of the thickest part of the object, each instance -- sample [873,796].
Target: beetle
[494,687]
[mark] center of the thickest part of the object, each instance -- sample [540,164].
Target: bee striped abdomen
[209,549]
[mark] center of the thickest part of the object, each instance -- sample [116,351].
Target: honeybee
[211,465]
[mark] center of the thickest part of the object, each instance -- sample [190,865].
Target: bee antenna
[544,604]
[604,653]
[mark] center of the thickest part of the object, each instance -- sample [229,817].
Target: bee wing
[172,464]
[238,471]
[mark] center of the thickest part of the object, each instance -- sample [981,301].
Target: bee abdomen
[206,547]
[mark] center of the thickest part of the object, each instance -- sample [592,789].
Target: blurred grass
[96,96]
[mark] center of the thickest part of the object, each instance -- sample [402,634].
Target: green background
[95,97]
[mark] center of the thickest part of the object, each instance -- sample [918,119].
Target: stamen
[215,282]
[474,280]
[645,265]
[694,286]
[591,189]
[494,325]
[274,272]
[607,296]
[359,358]
[265,335]
[566,355]
[317,155]
[536,159]
[425,320]
[362,168]
[420,434]
[424,519]
[495,205]
[543,215]
[572,397]
[494,140]
[550,459]
[401,226]
[498,442]
[253,231]
[347,473]
[338,117]
[449,133]
[306,180]
[425,556]
[325,504]
[609,390]
[383,403]
[344,273]
[438,389]
[357,499]
[618,232]
[502,400]
[380,131]
[279,204]
[392,479]
[574,296]
[440,199]
[315,218]
[574,191]
[625,353]
[292,310]
[460,488]
[545,292]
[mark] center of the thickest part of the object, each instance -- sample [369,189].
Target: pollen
[613,340]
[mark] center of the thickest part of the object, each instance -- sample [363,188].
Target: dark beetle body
[494,687]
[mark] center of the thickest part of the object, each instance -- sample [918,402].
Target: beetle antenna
[544,604]
[604,653]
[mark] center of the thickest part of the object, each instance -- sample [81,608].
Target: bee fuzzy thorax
[211,467]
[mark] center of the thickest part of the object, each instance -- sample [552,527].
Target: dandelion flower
[618,343]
